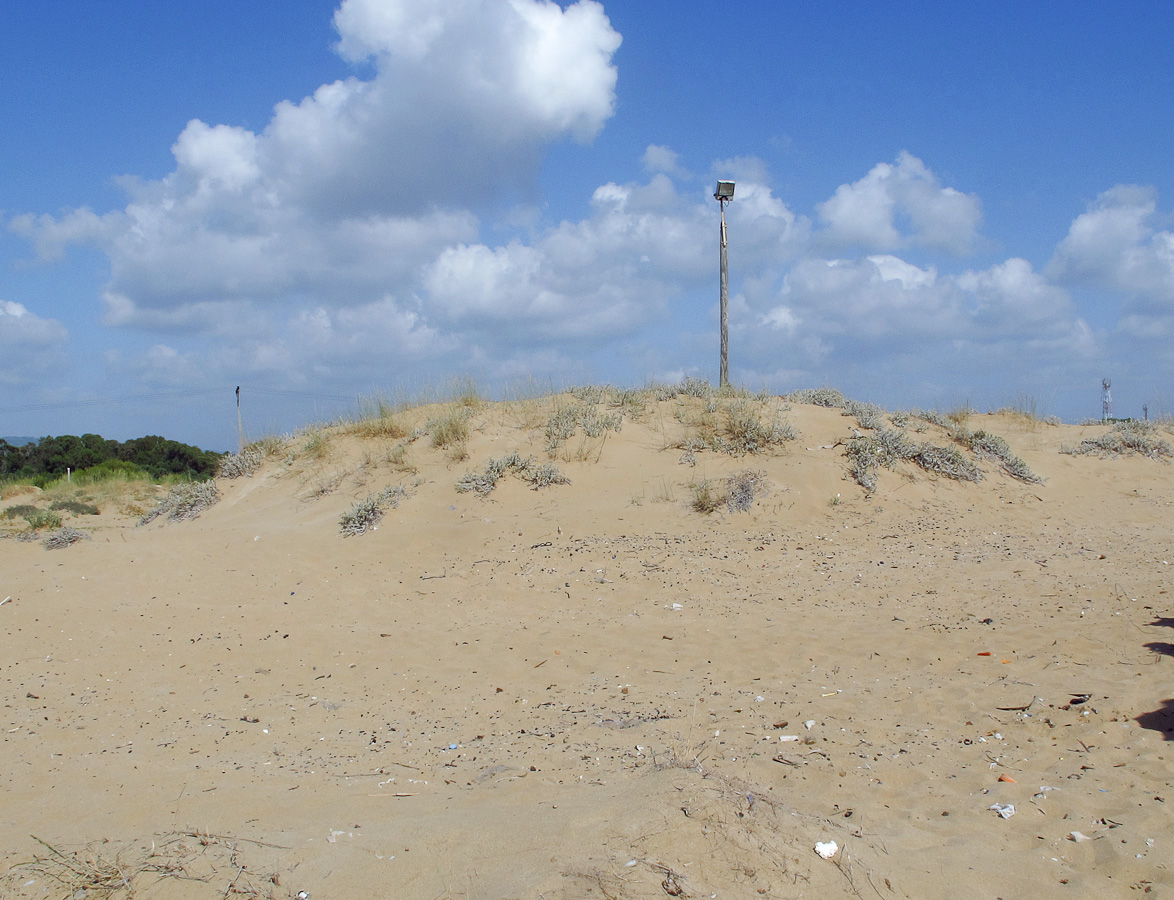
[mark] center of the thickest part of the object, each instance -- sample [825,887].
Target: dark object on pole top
[723,195]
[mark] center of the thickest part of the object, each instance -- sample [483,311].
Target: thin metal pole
[725,304]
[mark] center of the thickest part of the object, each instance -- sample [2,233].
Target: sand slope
[586,690]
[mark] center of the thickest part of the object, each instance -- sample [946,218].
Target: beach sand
[593,689]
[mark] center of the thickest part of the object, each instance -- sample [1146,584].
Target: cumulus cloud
[349,193]
[866,311]
[600,277]
[29,344]
[343,243]
[869,212]
[658,158]
[1116,245]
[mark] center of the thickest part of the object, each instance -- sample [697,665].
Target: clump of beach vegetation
[737,493]
[1131,436]
[887,447]
[537,475]
[366,514]
[65,537]
[991,446]
[732,427]
[184,502]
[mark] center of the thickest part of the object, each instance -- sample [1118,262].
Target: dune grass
[573,425]
[733,427]
[184,502]
[537,475]
[1125,438]
[366,514]
[65,537]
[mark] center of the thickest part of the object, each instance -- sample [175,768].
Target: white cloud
[881,307]
[1012,298]
[50,236]
[348,194]
[30,346]
[739,169]
[658,158]
[1115,245]
[601,277]
[868,212]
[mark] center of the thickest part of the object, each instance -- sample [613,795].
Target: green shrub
[24,510]
[36,518]
[76,507]
[42,519]
[110,470]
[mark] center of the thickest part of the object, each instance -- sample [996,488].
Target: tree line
[157,456]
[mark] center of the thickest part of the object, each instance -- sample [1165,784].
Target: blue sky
[320,201]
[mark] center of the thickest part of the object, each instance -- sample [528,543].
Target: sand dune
[594,690]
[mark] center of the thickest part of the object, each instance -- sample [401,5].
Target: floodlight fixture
[723,195]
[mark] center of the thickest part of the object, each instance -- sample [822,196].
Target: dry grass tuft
[991,446]
[565,421]
[452,429]
[733,428]
[378,420]
[707,496]
[185,501]
[17,489]
[99,871]
[366,514]
[887,447]
[1133,436]
[743,488]
[538,476]
[243,464]
[736,494]
[65,537]
[827,397]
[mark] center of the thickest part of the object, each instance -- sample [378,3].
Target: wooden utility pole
[723,195]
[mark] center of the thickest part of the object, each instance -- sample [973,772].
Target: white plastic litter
[1006,810]
[788,737]
[810,723]
[826,849]
[1077,837]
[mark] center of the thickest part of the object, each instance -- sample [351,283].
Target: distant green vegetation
[95,457]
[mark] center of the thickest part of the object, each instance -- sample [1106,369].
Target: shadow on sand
[1161,719]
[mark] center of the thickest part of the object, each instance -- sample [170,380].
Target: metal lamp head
[725,191]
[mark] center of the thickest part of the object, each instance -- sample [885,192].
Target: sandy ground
[593,690]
